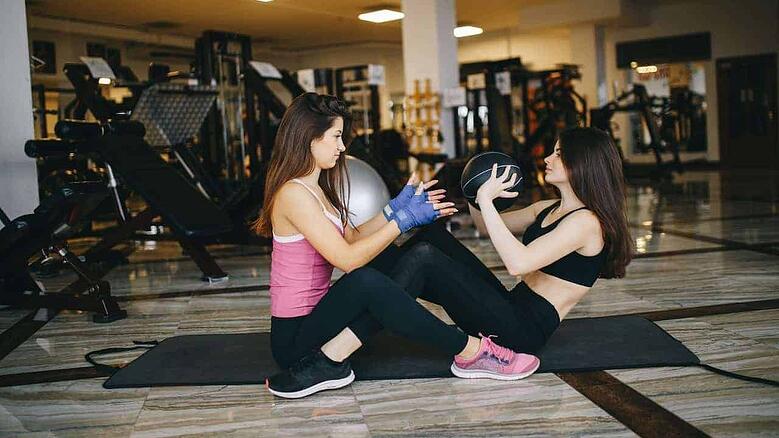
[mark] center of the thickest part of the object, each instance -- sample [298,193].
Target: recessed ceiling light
[466,31]
[264,1]
[647,69]
[381,16]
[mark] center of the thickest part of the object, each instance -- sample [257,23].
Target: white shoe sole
[482,374]
[322,386]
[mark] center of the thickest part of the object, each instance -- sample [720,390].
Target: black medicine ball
[479,169]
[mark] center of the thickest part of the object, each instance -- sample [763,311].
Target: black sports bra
[573,267]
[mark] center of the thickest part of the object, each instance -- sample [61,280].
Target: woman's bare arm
[301,210]
[516,221]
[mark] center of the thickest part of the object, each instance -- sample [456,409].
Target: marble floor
[707,238]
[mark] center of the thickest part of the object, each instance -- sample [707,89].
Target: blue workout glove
[399,201]
[416,213]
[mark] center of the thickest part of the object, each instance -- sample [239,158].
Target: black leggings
[441,270]
[434,266]
[365,300]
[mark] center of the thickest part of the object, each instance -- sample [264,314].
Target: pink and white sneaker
[495,362]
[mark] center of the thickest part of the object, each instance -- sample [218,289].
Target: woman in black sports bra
[566,245]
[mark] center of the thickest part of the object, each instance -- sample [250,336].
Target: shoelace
[501,353]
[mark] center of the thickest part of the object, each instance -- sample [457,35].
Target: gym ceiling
[280,24]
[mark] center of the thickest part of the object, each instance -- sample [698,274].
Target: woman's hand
[434,197]
[421,210]
[495,186]
[409,191]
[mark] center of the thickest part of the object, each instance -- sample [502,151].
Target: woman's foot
[315,372]
[495,362]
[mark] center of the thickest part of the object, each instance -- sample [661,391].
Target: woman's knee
[361,280]
[414,262]
[364,274]
[422,253]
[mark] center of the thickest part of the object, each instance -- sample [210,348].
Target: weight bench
[192,217]
[41,232]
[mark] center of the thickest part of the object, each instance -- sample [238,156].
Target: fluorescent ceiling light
[381,16]
[466,31]
[264,1]
[647,69]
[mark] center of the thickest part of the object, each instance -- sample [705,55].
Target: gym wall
[69,47]
[539,49]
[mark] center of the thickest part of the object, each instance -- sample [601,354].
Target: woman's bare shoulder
[539,206]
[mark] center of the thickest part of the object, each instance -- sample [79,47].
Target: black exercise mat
[578,345]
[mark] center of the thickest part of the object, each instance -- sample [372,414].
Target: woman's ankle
[332,358]
[333,354]
[471,349]
[342,346]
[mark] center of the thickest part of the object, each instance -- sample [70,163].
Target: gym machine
[119,145]
[89,94]
[237,137]
[270,86]
[516,111]
[684,120]
[227,142]
[174,112]
[652,112]
[42,234]
[359,86]
[493,117]
[553,105]
[43,111]
[318,80]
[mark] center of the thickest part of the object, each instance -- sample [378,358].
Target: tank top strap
[334,219]
[310,190]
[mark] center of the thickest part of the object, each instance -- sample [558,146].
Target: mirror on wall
[677,97]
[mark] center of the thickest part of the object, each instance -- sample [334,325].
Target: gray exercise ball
[367,194]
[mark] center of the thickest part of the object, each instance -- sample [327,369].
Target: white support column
[430,51]
[588,51]
[18,179]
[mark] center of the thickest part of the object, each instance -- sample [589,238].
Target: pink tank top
[299,275]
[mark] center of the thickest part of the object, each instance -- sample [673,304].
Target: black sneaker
[313,373]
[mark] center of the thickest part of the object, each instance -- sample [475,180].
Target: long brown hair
[595,174]
[307,119]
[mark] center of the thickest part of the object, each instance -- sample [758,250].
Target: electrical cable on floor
[739,376]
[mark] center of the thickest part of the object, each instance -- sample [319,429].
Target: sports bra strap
[295,180]
[572,211]
[552,207]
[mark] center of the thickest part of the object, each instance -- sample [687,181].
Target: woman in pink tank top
[305,212]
